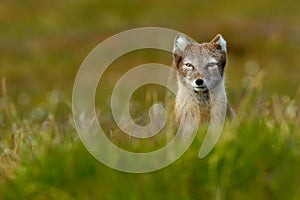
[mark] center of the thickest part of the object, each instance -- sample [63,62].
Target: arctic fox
[196,66]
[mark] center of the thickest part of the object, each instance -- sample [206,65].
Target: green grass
[42,45]
[256,157]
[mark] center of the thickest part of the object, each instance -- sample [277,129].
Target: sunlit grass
[258,156]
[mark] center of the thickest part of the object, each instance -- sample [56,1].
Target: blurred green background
[42,44]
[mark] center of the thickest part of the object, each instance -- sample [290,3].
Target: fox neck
[185,94]
[190,104]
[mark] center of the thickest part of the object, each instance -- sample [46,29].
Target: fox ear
[180,43]
[219,42]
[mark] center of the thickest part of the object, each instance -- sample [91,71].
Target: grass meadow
[42,45]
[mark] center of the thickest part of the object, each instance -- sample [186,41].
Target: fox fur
[200,69]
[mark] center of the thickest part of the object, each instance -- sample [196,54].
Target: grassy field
[42,45]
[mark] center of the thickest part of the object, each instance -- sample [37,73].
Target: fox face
[199,66]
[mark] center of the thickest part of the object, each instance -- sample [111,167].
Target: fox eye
[212,64]
[189,65]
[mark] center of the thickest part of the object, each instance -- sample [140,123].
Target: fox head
[199,66]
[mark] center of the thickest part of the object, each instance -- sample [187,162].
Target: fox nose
[199,82]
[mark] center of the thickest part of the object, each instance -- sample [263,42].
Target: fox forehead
[200,54]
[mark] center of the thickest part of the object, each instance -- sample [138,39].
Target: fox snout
[199,82]
[199,85]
